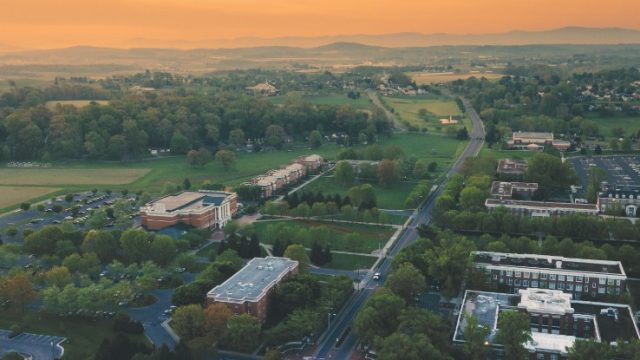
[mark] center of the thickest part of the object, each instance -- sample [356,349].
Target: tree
[400,346]
[614,144]
[199,157]
[243,333]
[270,354]
[98,220]
[236,137]
[317,254]
[472,198]
[344,173]
[186,184]
[550,173]
[162,250]
[275,136]
[18,290]
[407,282]
[475,337]
[315,139]
[589,349]
[43,242]
[513,332]
[120,347]
[462,134]
[179,143]
[363,196]
[135,246]
[25,206]
[227,158]
[388,173]
[216,318]
[298,253]
[448,262]
[625,144]
[379,317]
[58,276]
[189,321]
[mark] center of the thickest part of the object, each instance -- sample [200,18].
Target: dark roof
[549,262]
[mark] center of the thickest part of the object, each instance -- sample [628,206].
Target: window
[539,356]
[534,275]
[602,281]
[578,278]
[560,277]
[569,287]
[552,286]
[509,273]
[578,287]
[517,282]
[560,286]
[554,357]
[569,278]
[510,281]
[543,276]
[525,283]
[534,283]
[525,275]
[552,276]
[518,274]
[594,285]
[495,276]
[602,290]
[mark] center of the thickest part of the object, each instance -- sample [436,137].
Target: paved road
[40,347]
[391,116]
[344,321]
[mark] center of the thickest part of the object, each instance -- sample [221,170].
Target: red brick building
[248,290]
[201,209]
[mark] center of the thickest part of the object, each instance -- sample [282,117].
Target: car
[55,222]
[377,276]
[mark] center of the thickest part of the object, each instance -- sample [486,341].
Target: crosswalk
[27,338]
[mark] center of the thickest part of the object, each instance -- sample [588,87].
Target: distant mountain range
[567,35]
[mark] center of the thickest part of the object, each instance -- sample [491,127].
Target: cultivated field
[71,176]
[77,103]
[12,195]
[422,78]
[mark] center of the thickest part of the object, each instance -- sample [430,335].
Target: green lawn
[388,198]
[84,335]
[350,262]
[362,102]
[369,239]
[408,109]
[506,154]
[630,124]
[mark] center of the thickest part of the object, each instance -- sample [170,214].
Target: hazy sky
[55,23]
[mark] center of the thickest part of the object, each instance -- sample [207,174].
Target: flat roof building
[248,290]
[513,168]
[583,278]
[556,321]
[528,140]
[201,209]
[623,200]
[506,190]
[541,208]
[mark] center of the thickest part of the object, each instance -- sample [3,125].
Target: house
[311,162]
[201,209]
[248,290]
[449,121]
[556,320]
[264,89]
[535,141]
[583,278]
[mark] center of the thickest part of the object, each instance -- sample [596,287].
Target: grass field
[408,109]
[350,262]
[12,195]
[388,198]
[371,236]
[83,335]
[58,177]
[507,154]
[77,103]
[362,102]
[422,78]
[629,123]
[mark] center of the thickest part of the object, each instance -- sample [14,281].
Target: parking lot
[623,171]
[39,347]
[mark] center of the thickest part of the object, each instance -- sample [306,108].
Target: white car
[377,276]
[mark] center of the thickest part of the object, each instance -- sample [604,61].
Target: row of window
[553,277]
[558,286]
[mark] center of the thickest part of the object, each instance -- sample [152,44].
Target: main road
[342,325]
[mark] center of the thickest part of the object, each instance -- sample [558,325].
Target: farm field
[368,239]
[408,110]
[12,195]
[422,78]
[388,198]
[58,177]
[77,103]
[362,102]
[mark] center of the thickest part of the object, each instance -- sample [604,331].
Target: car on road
[377,276]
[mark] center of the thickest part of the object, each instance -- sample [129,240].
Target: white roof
[545,301]
[550,342]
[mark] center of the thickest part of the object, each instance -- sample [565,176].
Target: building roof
[550,342]
[545,301]
[185,201]
[254,280]
[543,205]
[313,157]
[505,188]
[536,261]
[512,166]
[530,135]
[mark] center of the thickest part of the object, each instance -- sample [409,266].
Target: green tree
[379,317]
[189,321]
[162,250]
[243,333]
[135,246]
[98,220]
[448,262]
[407,282]
[298,253]
[102,244]
[388,173]
[475,337]
[399,346]
[344,173]
[315,139]
[589,349]
[179,143]
[18,290]
[472,198]
[513,333]
[550,173]
[227,158]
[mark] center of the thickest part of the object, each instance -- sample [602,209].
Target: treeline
[132,124]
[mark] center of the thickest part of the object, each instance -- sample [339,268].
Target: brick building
[201,209]
[525,140]
[555,319]
[512,169]
[290,174]
[248,290]
[507,190]
[541,208]
[583,278]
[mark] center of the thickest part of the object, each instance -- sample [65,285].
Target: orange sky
[57,23]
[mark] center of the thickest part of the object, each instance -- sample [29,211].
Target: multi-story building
[541,208]
[525,140]
[555,319]
[583,278]
[511,169]
[311,162]
[290,174]
[507,190]
[201,209]
[626,200]
[248,290]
